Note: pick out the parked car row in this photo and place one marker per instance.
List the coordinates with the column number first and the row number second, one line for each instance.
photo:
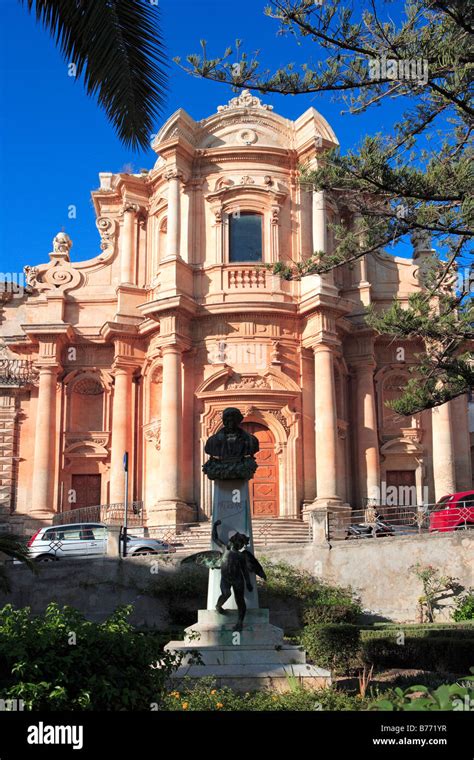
column 86, row 540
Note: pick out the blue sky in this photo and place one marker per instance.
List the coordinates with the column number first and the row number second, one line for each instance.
column 54, row 140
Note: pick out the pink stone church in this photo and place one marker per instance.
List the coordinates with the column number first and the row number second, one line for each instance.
column 140, row 347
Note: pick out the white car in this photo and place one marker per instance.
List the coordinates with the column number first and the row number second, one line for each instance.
column 86, row 540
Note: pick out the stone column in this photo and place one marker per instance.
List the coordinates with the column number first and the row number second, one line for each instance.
column 128, row 243
column 121, row 431
column 320, row 236
column 367, row 437
column 171, row 420
column 326, row 425
column 172, row 239
column 45, row 441
column 444, row 469
column 319, row 221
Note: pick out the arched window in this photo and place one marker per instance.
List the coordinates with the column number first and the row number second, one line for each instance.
column 245, row 237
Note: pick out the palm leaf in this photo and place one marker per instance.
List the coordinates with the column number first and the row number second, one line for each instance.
column 117, row 46
column 14, row 547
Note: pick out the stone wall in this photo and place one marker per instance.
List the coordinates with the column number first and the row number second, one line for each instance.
column 377, row 570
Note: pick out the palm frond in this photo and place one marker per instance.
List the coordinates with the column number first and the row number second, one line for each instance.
column 116, row 45
column 15, row 547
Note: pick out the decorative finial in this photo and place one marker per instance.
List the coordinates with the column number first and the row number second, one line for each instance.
column 245, row 100
column 62, row 244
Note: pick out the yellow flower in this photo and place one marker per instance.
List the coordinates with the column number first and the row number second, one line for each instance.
column 213, row 691
column 274, row 698
column 219, row 705
column 185, row 705
column 174, row 694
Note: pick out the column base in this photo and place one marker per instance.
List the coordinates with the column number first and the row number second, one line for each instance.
column 329, row 502
column 170, row 512
column 328, row 517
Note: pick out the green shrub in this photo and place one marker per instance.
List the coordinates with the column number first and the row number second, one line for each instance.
column 60, row 661
column 437, row 653
column 464, row 609
column 316, row 602
column 456, row 697
column 333, row 646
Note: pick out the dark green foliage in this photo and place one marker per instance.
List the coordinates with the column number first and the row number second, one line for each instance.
column 205, row 696
column 336, row 647
column 315, row 601
column 60, row 661
column 457, row 696
column 423, row 650
column 116, row 45
column 465, row 607
column 14, row 547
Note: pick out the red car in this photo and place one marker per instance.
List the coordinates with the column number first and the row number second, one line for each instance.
column 453, row 512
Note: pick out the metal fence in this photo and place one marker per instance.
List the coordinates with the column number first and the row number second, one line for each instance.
column 16, row 371
column 379, row 521
column 110, row 514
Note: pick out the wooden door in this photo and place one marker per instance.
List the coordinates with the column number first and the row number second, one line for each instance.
column 87, row 488
column 264, row 484
column 405, row 483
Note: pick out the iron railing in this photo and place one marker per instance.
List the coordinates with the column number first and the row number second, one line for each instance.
column 378, row 521
column 16, row 372
column 110, row 514
column 197, row 535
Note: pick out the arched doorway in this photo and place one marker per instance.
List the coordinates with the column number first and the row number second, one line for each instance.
column 264, row 484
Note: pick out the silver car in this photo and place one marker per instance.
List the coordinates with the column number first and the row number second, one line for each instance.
column 86, row 540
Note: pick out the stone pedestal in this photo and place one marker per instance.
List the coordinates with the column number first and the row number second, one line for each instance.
column 256, row 657
column 231, row 505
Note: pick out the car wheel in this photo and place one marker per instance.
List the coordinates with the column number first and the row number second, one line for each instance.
column 143, row 552
column 46, row 558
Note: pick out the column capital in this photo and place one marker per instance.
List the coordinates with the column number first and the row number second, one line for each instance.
column 318, row 348
column 128, row 207
column 123, row 365
column 174, row 173
column 363, row 365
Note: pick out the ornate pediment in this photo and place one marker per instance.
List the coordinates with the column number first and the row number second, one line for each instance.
column 226, row 379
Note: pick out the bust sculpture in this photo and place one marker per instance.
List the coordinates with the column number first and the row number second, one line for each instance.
column 231, row 450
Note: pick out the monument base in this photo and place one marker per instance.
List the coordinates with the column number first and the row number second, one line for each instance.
column 253, row 659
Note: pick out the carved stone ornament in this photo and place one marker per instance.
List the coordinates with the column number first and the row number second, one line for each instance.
column 246, row 180
column 88, row 386
column 244, row 100
column 62, row 244
column 153, row 433
column 247, row 136
column 239, row 382
column 107, row 230
column 59, row 275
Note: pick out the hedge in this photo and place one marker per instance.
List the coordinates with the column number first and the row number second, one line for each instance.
column 344, row 648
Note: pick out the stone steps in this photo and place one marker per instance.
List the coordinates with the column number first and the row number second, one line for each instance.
column 265, row 532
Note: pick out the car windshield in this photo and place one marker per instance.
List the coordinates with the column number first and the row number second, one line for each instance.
column 442, row 502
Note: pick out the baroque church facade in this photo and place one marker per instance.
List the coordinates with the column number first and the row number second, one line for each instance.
column 142, row 346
